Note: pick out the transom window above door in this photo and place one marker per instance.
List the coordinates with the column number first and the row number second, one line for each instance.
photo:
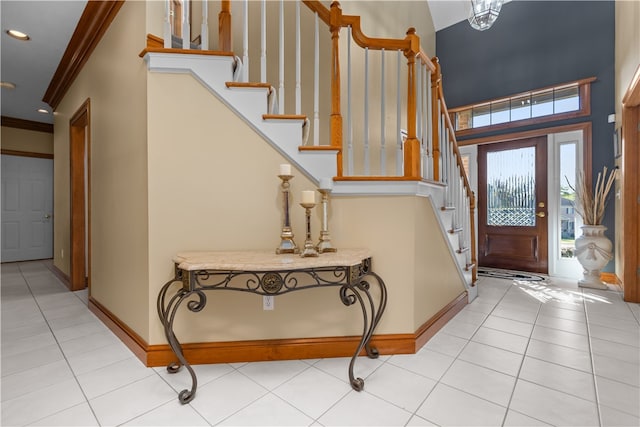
column 547, row 104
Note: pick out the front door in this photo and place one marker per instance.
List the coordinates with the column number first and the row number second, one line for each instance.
column 512, row 205
column 27, row 208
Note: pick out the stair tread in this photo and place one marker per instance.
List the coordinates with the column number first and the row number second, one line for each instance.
column 463, row 250
column 448, row 208
column 284, row 117
column 248, row 85
column 454, row 230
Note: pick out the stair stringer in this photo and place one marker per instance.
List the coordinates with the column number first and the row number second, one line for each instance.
column 432, row 191
column 250, row 104
column 435, row 192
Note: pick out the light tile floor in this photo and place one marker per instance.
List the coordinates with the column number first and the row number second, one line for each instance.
column 523, row 353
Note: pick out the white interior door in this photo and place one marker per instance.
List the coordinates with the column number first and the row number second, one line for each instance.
column 27, row 208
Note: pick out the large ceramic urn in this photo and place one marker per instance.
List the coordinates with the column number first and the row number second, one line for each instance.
column 593, row 251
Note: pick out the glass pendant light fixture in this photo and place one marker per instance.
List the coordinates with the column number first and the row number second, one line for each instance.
column 484, row 13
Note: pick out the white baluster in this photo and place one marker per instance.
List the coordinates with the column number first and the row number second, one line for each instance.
column 316, row 84
column 204, row 39
column 366, row 111
column 263, row 41
column 458, row 195
column 281, row 66
column 167, row 24
column 298, row 62
column 186, row 26
column 349, row 111
column 399, row 156
column 245, row 43
column 383, row 154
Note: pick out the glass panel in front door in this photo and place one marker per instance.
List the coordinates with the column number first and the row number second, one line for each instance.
column 511, row 187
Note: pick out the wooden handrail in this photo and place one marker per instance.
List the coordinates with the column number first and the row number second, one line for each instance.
column 426, row 60
column 452, row 138
column 356, row 29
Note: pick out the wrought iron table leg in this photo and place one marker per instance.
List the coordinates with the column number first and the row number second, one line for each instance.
column 376, row 314
column 349, row 295
column 186, row 395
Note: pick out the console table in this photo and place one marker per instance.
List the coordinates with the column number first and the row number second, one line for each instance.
column 265, row 273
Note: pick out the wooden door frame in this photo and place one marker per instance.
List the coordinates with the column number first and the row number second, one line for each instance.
column 631, row 190
column 584, row 127
column 80, row 221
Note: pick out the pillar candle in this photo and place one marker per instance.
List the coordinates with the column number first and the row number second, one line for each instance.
column 285, row 169
column 308, row 196
column 326, row 183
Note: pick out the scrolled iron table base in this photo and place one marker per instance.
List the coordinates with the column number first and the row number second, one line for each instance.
column 263, row 273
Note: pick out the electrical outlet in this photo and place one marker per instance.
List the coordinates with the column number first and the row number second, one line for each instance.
column 268, row 302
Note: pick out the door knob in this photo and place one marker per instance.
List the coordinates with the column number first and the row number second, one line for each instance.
column 47, row 216
column 541, row 214
column 541, row 205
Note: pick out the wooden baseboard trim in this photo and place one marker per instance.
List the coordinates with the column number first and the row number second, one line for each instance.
column 611, row 278
column 128, row 336
column 279, row 349
column 59, row 274
column 276, row 349
column 433, row 325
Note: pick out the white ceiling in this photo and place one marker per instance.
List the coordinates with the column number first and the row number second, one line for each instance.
column 31, row 64
column 448, row 12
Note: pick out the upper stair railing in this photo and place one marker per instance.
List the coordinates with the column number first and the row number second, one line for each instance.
column 392, row 123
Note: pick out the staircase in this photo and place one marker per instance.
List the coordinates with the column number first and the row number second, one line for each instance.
column 422, row 158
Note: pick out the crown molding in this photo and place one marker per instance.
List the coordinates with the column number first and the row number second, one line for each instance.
column 94, row 22
column 12, row 122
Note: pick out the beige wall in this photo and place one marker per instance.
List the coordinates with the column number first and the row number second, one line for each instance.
column 173, row 169
column 114, row 80
column 26, row 140
column 627, row 62
column 213, row 186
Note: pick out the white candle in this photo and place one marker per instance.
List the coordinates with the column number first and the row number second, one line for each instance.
column 326, row 183
column 308, row 196
column 285, row 169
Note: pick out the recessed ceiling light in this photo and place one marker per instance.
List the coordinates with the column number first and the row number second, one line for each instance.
column 7, row 85
column 18, row 35
column 43, row 111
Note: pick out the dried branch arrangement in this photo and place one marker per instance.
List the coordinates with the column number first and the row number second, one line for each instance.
column 590, row 204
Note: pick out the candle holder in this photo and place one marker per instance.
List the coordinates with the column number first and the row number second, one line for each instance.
column 309, row 250
column 287, row 245
column 324, row 244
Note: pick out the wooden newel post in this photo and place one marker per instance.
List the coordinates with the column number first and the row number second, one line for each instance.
column 224, row 26
column 412, row 144
column 435, row 118
column 336, row 117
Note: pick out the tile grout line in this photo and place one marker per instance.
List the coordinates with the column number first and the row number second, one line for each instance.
column 415, row 413
column 61, row 351
column 591, row 359
column 524, row 356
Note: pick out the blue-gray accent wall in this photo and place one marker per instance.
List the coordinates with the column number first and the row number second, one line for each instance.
column 535, row 44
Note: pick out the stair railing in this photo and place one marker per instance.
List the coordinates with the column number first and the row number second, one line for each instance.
column 450, row 170
column 372, row 143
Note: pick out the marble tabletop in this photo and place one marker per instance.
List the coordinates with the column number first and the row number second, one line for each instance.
column 266, row 260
